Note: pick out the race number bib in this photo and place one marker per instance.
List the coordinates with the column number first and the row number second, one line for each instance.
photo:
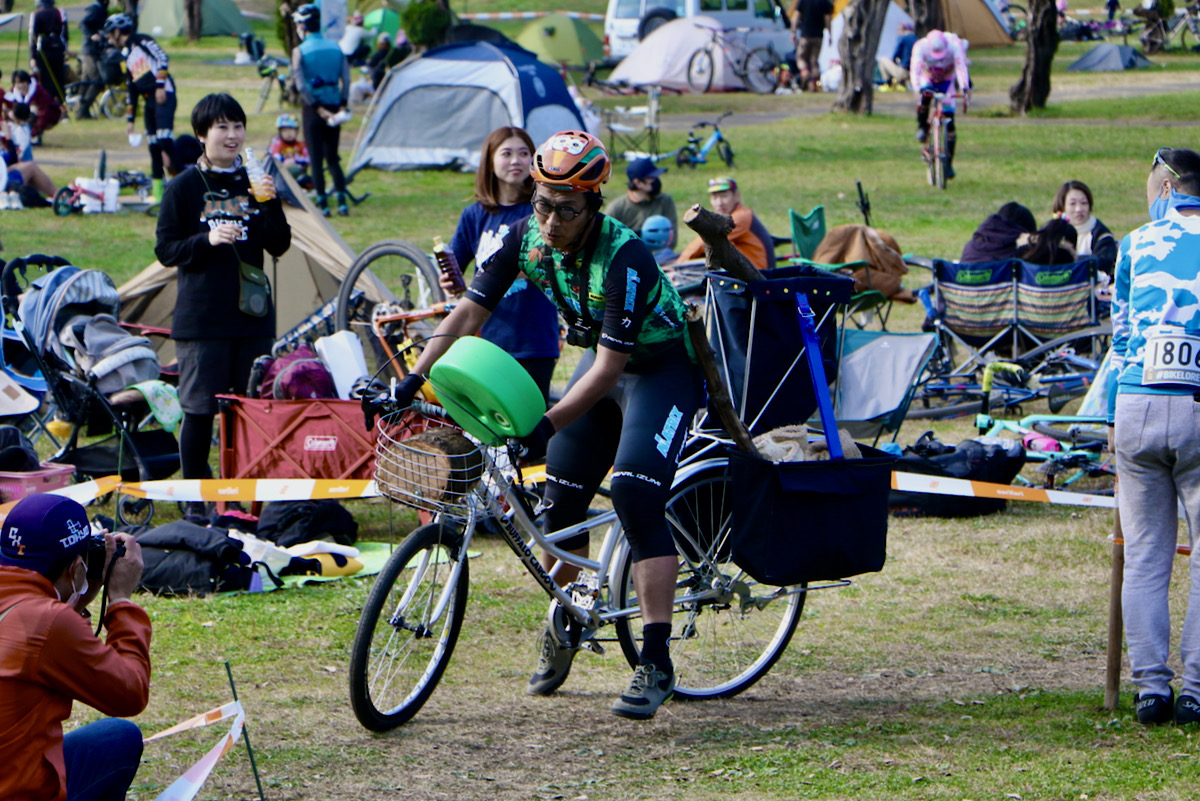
column 1172, row 357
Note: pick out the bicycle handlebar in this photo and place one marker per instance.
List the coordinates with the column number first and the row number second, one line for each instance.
column 716, row 123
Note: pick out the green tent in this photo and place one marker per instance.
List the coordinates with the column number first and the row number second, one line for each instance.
column 383, row 20
column 168, row 18
column 559, row 39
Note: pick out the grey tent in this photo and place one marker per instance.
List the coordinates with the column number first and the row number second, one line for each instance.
column 304, row 278
column 1111, row 58
column 168, row 18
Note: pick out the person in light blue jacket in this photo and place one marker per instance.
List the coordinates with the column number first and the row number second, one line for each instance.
column 1155, row 409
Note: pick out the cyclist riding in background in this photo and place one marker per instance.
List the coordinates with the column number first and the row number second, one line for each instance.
column 629, row 403
column 939, row 65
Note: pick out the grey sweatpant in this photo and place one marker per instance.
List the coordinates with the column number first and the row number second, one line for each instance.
column 1158, row 463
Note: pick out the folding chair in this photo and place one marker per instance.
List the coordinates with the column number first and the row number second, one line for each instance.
column 633, row 141
column 807, row 231
column 878, row 374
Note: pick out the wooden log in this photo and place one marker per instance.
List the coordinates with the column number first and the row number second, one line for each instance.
column 438, row 465
column 717, row 391
column 719, row 255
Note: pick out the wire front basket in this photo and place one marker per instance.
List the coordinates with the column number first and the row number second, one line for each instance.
column 426, row 463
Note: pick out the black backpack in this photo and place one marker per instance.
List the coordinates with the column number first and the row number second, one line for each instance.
column 993, row 462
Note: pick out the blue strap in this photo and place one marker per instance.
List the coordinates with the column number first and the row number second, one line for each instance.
column 812, row 349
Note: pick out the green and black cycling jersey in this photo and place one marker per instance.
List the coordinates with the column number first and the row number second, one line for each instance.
column 628, row 305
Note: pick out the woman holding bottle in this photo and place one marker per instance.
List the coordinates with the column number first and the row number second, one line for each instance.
column 214, row 227
column 525, row 323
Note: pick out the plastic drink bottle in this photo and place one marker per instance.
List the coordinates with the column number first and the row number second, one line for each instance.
column 261, row 187
column 449, row 266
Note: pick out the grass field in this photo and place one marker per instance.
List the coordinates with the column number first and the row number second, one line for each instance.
column 970, row 668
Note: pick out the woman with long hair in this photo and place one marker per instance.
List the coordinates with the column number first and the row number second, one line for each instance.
column 525, row 323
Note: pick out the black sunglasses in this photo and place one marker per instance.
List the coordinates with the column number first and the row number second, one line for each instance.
column 545, row 208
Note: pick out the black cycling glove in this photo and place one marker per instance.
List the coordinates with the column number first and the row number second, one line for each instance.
column 383, row 402
column 532, row 446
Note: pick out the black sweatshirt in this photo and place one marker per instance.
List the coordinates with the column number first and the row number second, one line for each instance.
column 207, row 303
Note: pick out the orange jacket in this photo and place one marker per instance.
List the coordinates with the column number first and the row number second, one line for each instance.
column 741, row 237
column 49, row 657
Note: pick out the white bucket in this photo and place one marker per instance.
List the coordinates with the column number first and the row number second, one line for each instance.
column 343, row 355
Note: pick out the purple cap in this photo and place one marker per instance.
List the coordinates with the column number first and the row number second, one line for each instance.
column 43, row 529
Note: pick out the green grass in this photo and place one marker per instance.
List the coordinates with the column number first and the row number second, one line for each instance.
column 971, row 667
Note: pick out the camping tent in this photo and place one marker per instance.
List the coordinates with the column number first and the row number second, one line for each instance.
column 559, row 39
column 1111, row 58
column 436, row 110
column 977, row 21
column 662, row 57
column 303, row 279
column 887, row 37
column 168, row 18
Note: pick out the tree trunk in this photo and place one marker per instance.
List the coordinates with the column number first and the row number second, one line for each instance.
column 1041, row 43
column 195, row 19
column 857, row 48
column 928, row 16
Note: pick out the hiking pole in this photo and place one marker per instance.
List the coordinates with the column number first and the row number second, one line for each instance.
column 246, row 736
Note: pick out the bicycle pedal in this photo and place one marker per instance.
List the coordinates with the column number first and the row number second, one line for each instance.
column 593, row 646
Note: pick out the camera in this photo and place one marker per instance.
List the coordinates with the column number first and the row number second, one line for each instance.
column 93, row 557
column 579, row 335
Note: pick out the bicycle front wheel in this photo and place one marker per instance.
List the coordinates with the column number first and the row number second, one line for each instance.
column 700, row 71
column 404, row 642
column 727, row 629
column 382, row 267
column 726, row 153
column 264, row 94
column 762, row 70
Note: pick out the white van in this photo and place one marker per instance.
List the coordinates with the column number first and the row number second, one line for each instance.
column 629, row 21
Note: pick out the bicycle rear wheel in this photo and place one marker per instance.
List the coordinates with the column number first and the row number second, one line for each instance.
column 264, row 94
column 400, row 650
column 762, row 70
column 724, row 643
column 391, row 263
column 939, row 155
column 700, row 71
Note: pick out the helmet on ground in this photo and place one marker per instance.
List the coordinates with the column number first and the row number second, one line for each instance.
column 118, row 22
column 937, row 50
column 286, row 121
column 308, row 16
column 656, row 231
column 573, row 161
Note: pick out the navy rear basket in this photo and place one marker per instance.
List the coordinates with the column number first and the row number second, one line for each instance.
column 755, row 332
column 796, row 522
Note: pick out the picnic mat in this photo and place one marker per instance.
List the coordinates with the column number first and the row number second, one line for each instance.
column 373, row 555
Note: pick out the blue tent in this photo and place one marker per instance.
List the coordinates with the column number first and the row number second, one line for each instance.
column 436, row 110
column 1110, row 57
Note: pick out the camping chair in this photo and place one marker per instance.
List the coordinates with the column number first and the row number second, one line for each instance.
column 1013, row 306
column 807, row 231
column 629, row 140
column 878, row 374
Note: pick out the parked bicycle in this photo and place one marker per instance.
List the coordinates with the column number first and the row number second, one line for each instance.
column 936, row 152
column 274, row 73
column 1160, row 32
column 695, row 152
column 758, row 67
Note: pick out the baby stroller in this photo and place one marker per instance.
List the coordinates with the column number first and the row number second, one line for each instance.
column 67, row 319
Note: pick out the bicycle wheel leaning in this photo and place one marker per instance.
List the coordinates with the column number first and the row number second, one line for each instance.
column 762, row 70
column 700, row 71
column 112, row 103
column 385, row 264
column 723, row 641
column 404, row 642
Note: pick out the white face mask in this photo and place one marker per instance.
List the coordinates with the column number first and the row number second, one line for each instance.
column 80, row 592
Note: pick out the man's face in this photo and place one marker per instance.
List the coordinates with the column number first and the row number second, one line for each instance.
column 551, row 207
column 725, row 202
column 114, row 39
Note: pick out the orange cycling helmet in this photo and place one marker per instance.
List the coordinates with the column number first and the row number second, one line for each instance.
column 574, row 161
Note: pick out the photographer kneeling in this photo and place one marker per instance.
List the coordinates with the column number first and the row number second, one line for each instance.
column 51, row 566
